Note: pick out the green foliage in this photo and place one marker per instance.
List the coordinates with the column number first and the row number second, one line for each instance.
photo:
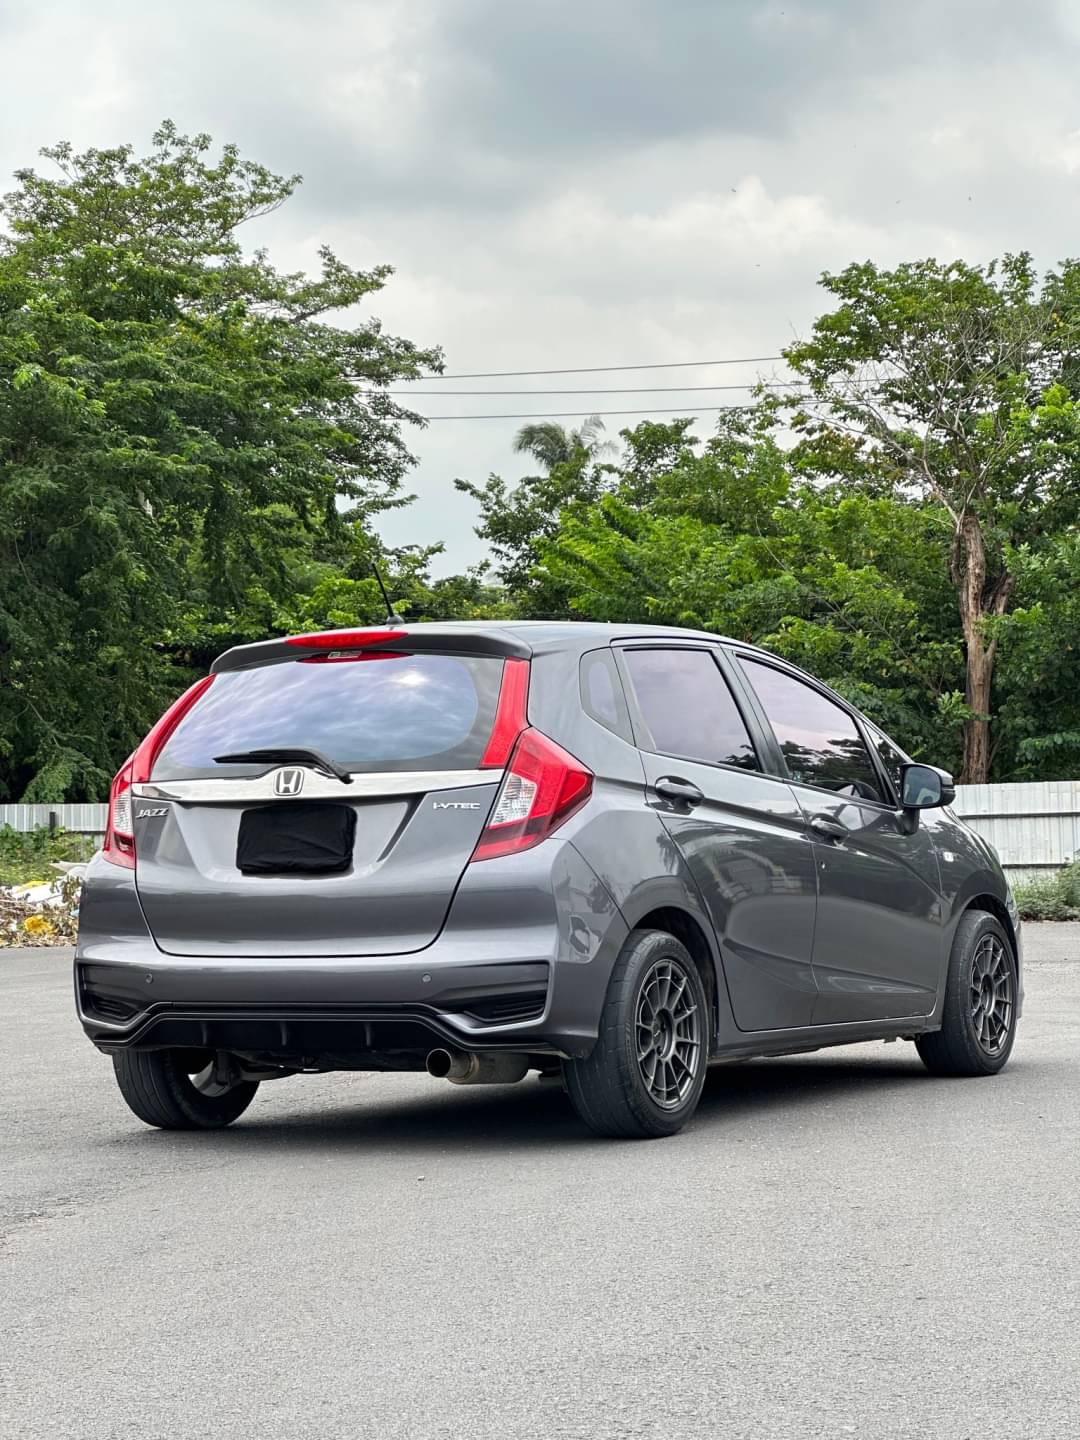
column 517, row 520
column 27, row 855
column 194, row 448
column 1053, row 897
column 847, row 583
column 183, row 430
column 916, row 546
column 953, row 384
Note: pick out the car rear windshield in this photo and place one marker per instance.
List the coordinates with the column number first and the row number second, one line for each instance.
column 374, row 712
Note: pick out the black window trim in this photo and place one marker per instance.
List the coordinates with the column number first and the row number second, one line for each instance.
column 870, row 725
column 626, row 735
column 763, row 658
column 640, row 727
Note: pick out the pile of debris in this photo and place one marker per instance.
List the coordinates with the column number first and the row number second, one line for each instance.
column 43, row 912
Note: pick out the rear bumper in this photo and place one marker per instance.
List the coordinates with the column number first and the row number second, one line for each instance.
column 293, row 1009
column 538, row 986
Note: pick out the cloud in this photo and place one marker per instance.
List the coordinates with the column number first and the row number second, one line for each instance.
column 599, row 182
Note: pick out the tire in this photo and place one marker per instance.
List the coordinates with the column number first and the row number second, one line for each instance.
column 159, row 1088
column 978, row 1022
column 611, row 1089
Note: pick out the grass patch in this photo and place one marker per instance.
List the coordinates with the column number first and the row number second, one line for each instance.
column 1052, row 897
column 27, row 855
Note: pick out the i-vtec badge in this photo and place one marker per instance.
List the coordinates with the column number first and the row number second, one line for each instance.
column 457, row 805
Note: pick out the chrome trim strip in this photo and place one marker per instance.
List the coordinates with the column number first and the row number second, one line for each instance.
column 365, row 786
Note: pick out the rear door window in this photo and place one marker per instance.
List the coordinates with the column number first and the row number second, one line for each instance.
column 687, row 707
column 820, row 741
column 372, row 712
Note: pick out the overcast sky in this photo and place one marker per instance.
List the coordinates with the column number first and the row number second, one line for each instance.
column 600, row 182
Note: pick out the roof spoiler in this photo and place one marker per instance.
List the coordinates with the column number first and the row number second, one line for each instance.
column 439, row 639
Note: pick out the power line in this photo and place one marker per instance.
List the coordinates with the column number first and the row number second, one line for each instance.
column 594, row 369
column 588, row 414
column 633, row 390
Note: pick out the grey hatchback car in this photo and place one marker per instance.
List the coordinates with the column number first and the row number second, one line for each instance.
column 614, row 854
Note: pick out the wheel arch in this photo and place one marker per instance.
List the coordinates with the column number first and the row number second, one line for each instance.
column 994, row 905
column 688, row 930
column 989, row 902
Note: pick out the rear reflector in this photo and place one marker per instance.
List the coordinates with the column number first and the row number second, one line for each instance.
column 346, row 639
column 119, row 846
column 511, row 716
column 542, row 788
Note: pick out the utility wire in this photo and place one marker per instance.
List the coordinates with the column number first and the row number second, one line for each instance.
column 633, row 390
column 594, row 369
column 587, row 414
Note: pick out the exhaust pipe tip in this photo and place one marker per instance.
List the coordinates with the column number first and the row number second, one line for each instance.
column 439, row 1063
column 465, row 1067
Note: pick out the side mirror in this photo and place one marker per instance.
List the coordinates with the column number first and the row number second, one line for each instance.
column 924, row 787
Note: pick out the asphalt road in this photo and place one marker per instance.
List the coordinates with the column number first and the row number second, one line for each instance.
column 839, row 1245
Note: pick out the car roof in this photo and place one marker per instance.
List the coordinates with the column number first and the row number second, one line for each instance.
column 569, row 634
column 521, row 637
column 508, row 637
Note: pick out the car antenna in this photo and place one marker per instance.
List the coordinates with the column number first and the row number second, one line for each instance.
column 392, row 616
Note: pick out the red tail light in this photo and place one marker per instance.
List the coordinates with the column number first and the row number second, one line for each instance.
column 542, row 788
column 511, row 716
column 119, row 844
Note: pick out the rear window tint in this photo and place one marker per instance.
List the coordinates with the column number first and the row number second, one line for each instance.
column 690, row 712
column 386, row 712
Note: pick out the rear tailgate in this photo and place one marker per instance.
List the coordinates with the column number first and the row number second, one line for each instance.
column 413, row 731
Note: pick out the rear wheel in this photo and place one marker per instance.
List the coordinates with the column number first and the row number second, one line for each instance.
column 978, row 1023
column 182, row 1089
column 645, row 1074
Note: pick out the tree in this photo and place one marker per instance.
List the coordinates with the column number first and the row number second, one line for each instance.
column 552, row 444
column 952, row 383
column 851, row 585
column 1038, row 659
column 516, row 519
column 182, row 427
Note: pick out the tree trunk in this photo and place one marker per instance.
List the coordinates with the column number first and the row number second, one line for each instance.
column 975, row 766
column 976, row 605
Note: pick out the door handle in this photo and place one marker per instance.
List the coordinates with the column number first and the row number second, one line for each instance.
column 679, row 791
column 826, row 829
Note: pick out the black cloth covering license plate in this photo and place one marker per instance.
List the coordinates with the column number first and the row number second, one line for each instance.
column 296, row 839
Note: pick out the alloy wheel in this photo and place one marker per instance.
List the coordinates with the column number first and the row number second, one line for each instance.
column 668, row 1033
column 991, row 995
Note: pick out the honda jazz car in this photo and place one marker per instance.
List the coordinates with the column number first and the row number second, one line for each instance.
column 612, row 853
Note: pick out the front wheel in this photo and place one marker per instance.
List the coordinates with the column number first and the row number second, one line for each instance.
column 978, row 1022
column 182, row 1089
column 645, row 1074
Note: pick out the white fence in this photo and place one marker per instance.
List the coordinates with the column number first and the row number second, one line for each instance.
column 1035, row 827
column 85, row 819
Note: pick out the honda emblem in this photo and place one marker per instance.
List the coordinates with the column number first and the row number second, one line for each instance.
column 288, row 782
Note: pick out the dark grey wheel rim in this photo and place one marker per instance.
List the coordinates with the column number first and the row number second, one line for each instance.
column 991, row 995
column 667, row 1027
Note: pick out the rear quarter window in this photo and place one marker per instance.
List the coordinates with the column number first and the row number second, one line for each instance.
column 379, row 712
column 602, row 695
